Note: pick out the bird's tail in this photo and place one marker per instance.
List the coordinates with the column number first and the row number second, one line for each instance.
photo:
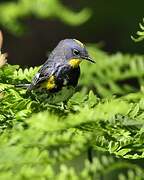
column 26, row 86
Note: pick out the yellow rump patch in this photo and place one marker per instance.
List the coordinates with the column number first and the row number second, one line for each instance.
column 80, row 43
column 49, row 84
column 75, row 62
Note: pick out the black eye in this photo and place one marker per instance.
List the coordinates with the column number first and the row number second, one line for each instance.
column 76, row 52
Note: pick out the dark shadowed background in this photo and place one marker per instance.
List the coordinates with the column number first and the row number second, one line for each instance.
column 111, row 24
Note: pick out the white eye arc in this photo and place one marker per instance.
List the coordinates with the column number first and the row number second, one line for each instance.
column 76, row 52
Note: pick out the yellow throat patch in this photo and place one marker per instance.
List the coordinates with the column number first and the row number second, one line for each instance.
column 74, row 62
column 49, row 84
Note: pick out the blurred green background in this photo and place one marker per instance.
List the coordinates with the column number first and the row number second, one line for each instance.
column 46, row 22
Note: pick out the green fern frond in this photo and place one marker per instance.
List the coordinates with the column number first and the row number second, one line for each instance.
column 113, row 74
column 96, row 136
column 26, row 74
column 140, row 34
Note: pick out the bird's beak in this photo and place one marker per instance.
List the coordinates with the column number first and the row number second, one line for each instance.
column 88, row 58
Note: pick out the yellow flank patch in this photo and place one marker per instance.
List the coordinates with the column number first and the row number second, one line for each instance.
column 80, row 43
column 49, row 84
column 75, row 62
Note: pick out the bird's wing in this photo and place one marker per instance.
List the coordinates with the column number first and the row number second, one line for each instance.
column 44, row 73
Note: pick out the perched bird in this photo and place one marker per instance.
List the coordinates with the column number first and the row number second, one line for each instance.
column 59, row 75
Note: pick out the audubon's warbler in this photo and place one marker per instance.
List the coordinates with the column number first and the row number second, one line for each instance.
column 59, row 75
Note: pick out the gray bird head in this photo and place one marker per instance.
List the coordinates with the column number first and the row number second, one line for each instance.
column 73, row 51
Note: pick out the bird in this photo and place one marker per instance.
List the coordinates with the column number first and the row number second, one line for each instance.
column 59, row 75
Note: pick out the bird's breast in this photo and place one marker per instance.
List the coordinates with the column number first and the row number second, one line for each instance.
column 63, row 77
column 68, row 77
